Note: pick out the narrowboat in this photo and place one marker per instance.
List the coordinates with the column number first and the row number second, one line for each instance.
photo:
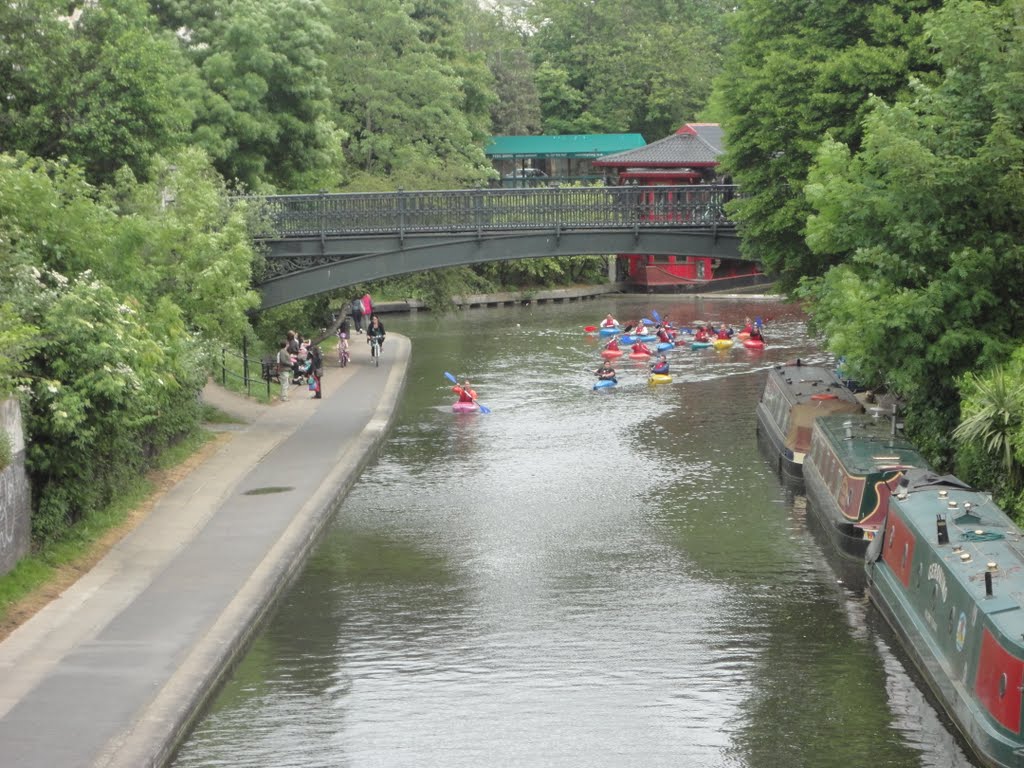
column 947, row 572
column 853, row 465
column 794, row 396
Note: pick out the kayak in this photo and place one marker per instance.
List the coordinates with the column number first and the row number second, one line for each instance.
column 700, row 344
column 608, row 331
column 461, row 407
column 743, row 335
column 753, row 343
column 627, row 339
column 665, row 345
column 609, row 354
column 660, row 378
column 604, row 384
column 638, row 356
column 647, row 337
column 722, row 343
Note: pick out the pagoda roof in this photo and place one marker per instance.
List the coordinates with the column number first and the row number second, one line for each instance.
column 694, row 145
column 576, row 145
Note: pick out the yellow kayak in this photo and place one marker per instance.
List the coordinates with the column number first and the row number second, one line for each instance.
column 722, row 343
column 660, row 378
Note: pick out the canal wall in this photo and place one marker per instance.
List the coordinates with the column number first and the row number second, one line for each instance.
column 15, row 495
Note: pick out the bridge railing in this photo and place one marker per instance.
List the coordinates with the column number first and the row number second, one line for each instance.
column 469, row 210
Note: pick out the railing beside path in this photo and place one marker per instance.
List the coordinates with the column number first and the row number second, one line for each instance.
column 490, row 210
column 230, row 362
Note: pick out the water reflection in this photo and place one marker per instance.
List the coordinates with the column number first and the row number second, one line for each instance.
column 578, row 579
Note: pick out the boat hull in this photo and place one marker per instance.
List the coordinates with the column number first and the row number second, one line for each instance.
column 953, row 597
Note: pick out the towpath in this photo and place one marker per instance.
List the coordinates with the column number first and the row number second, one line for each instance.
column 112, row 672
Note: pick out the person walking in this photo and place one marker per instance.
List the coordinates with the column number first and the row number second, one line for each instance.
column 357, row 315
column 284, row 370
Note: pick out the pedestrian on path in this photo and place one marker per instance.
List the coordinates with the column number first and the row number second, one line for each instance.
column 284, row 370
column 357, row 315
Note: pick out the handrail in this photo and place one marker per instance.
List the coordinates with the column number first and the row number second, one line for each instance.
column 404, row 213
column 246, row 376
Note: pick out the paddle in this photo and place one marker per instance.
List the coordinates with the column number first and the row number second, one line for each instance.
column 656, row 316
column 453, row 380
column 647, row 321
column 589, row 328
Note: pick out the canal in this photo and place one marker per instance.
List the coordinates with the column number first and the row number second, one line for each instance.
column 579, row 578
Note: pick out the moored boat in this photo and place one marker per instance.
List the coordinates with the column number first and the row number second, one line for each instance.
column 852, row 466
column 947, row 575
column 794, row 396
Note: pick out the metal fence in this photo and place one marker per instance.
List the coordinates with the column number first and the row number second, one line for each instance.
column 479, row 210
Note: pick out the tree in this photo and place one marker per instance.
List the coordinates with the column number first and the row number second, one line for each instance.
column 930, row 209
column 796, row 72
column 104, row 88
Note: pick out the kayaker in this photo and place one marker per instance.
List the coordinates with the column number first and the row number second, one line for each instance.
column 661, row 366
column 612, row 346
column 465, row 392
column 701, row 335
column 606, row 372
column 609, row 322
column 724, row 333
column 641, row 349
column 663, row 335
column 755, row 334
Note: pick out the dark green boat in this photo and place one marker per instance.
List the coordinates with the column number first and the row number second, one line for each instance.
column 948, row 575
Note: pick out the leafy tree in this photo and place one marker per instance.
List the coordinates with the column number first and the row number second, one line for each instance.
column 103, row 87
column 794, row 73
column 611, row 67
column 930, row 208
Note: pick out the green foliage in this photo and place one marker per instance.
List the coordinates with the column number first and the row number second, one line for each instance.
column 929, row 210
column 611, row 67
column 992, row 417
column 103, row 88
column 794, row 74
column 6, row 450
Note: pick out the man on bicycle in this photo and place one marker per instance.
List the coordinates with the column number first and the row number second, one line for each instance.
column 375, row 331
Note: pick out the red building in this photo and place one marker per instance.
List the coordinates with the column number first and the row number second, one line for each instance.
column 690, row 156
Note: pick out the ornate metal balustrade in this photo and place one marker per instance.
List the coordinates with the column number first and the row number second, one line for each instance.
column 491, row 210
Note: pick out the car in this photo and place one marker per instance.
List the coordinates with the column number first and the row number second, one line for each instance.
column 526, row 173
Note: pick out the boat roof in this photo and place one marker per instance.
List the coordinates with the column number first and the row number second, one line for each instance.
column 981, row 538
column 808, row 383
column 866, row 444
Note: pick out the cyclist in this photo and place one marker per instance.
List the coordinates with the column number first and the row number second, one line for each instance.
column 375, row 330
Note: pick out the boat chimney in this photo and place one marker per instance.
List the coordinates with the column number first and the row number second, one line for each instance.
column 988, row 583
column 941, row 530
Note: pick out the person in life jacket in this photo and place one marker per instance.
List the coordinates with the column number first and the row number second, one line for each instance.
column 465, row 392
column 663, row 335
column 661, row 366
column 724, row 333
column 606, row 372
column 609, row 322
column 701, row 335
column 612, row 346
column 641, row 349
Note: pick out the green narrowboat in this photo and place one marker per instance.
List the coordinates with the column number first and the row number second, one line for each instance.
column 948, row 575
column 853, row 464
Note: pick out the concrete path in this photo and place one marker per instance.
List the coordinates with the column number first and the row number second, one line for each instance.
column 112, row 672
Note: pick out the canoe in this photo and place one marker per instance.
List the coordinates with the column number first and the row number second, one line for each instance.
column 609, row 354
column 604, row 384
column 722, row 343
column 660, row 378
column 608, row 331
column 460, row 407
column 700, row 344
column 753, row 343
column 639, row 356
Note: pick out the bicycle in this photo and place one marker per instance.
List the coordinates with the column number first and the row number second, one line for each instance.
column 343, row 354
column 375, row 350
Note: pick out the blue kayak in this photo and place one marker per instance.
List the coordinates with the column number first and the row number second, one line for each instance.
column 604, row 384
column 666, row 345
column 608, row 331
column 627, row 339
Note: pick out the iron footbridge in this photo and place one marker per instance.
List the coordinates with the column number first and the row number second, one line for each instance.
column 320, row 242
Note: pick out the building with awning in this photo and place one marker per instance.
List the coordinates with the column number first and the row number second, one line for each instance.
column 689, row 156
column 528, row 160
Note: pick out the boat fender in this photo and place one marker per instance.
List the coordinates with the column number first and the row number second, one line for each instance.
column 825, row 396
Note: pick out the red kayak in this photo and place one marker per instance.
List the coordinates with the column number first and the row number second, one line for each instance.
column 610, row 354
column 753, row 343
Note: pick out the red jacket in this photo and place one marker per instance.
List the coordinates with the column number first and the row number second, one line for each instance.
column 465, row 395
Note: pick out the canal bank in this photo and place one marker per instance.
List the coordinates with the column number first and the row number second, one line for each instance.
column 113, row 671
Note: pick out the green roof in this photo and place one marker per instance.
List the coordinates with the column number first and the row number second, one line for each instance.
column 582, row 145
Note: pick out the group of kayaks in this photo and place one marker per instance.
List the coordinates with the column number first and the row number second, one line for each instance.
column 681, row 338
